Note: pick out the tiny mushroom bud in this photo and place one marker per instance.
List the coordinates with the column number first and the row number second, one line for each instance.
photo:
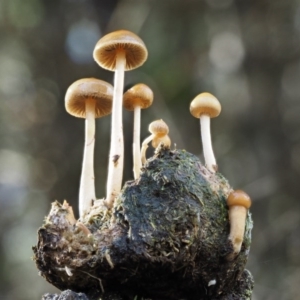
column 118, row 51
column 140, row 96
column 158, row 129
column 206, row 106
column 165, row 140
column 238, row 203
column 88, row 98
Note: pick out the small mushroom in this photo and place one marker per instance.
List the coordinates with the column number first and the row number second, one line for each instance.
column 88, row 98
column 206, row 106
column 165, row 140
column 158, row 129
column 118, row 51
column 140, row 96
column 238, row 203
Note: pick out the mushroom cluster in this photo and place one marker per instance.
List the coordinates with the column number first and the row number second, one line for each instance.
column 92, row 98
column 177, row 231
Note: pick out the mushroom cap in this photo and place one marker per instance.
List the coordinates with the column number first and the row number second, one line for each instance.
column 139, row 95
column 89, row 88
column 205, row 104
column 239, row 198
column 165, row 140
column 159, row 128
column 107, row 48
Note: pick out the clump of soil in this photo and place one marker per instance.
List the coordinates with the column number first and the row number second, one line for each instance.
column 166, row 238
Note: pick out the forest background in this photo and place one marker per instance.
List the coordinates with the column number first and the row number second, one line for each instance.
column 246, row 53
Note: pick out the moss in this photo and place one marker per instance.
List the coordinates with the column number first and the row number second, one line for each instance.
column 166, row 238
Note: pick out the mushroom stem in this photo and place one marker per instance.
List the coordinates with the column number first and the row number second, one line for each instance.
column 208, row 153
column 137, row 164
column 145, row 146
column 237, row 218
column 116, row 155
column 87, row 180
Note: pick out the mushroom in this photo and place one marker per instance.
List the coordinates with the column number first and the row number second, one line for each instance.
column 118, row 51
column 165, row 140
column 158, row 129
column 88, row 98
column 140, row 96
column 206, row 106
column 238, row 203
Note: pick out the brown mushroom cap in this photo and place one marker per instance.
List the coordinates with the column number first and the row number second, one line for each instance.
column 139, row 95
column 89, row 88
column 159, row 128
column 107, row 48
column 165, row 140
column 239, row 198
column 205, row 104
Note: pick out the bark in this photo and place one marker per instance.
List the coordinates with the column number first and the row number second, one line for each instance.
column 166, row 238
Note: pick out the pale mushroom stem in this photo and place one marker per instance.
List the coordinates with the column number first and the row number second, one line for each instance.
column 145, row 146
column 87, row 180
column 237, row 217
column 116, row 155
column 208, row 153
column 137, row 163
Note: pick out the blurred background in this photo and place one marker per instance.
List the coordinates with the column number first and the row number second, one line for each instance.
column 247, row 53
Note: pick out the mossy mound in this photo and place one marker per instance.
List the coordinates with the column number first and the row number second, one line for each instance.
column 166, row 238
